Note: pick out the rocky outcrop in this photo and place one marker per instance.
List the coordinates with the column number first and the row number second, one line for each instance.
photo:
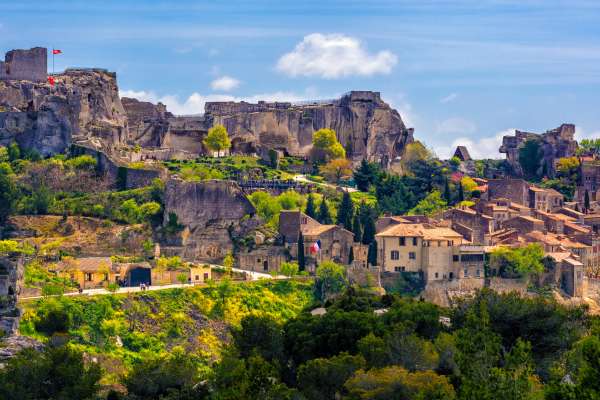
column 366, row 126
column 147, row 122
column 83, row 106
column 555, row 143
column 213, row 215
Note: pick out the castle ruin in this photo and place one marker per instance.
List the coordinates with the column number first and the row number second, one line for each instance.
column 25, row 65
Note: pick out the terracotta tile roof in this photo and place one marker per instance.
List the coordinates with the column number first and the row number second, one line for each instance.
column 418, row 230
column 316, row 230
column 89, row 264
column 559, row 255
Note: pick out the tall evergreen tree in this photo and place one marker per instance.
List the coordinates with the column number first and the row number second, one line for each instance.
column 324, row 216
column 365, row 175
column 461, row 192
column 372, row 253
column 447, row 194
column 368, row 236
column 301, row 259
column 345, row 212
column 310, row 206
column 586, row 201
column 356, row 228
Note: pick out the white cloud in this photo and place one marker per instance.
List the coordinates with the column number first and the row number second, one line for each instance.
column 456, row 125
column 485, row 147
column 580, row 133
column 225, row 83
column 334, row 56
column 450, row 98
column 194, row 104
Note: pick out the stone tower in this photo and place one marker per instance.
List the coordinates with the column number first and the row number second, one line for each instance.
column 25, row 65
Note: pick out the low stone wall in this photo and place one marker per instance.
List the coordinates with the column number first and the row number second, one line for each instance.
column 502, row 285
column 591, row 288
column 136, row 178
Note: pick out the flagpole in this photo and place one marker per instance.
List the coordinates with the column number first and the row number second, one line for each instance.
column 53, row 61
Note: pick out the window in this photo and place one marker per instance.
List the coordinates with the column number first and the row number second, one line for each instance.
column 88, row 277
column 414, row 241
column 471, row 258
column 450, row 243
column 206, row 276
column 402, row 241
column 258, row 260
column 455, row 258
column 399, row 269
column 466, row 272
column 197, row 278
column 412, row 255
column 478, row 273
column 395, row 255
column 436, row 274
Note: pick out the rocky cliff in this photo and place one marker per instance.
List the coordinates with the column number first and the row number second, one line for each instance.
column 83, row 106
column 366, row 126
column 554, row 144
column 212, row 215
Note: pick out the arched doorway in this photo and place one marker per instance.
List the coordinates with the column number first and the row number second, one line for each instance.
column 140, row 275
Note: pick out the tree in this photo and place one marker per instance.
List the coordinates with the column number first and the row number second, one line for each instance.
column 331, row 279
column 324, row 378
column 182, row 278
column 461, row 192
column 447, row 194
column 4, row 155
column 289, row 269
column 372, row 253
column 301, row 258
column 530, row 157
column 325, row 142
column 586, row 201
column 397, row 383
column 54, row 373
column 521, row 261
column 337, row 169
column 217, row 139
column 14, row 151
column 261, row 335
column 365, row 175
column 430, row 205
column 228, row 262
column 324, row 216
column 310, row 209
column 8, row 191
column 367, row 218
column 345, row 211
column 356, row 229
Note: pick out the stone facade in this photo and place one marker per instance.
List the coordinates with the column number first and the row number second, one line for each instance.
column 263, row 259
column 25, row 65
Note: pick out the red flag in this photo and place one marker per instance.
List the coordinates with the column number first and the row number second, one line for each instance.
column 56, row 51
column 51, row 80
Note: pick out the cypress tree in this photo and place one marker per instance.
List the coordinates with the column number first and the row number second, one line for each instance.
column 447, row 195
column 461, row 193
column 372, row 253
column 363, row 176
column 324, row 216
column 369, row 228
column 356, row 229
column 301, row 259
column 345, row 212
column 310, row 207
column 586, row 201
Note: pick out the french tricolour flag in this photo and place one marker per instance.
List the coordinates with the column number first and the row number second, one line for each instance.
column 316, row 246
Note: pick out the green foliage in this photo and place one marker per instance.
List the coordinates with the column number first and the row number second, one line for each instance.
column 366, row 175
column 217, row 139
column 8, row 191
column 325, row 141
column 324, row 378
column 430, row 205
column 289, row 269
column 55, row 373
column 82, row 162
column 519, row 262
column 260, row 335
column 345, row 211
column 324, row 215
column 268, row 206
column 197, row 173
column 530, row 158
column 310, row 209
column 331, row 279
column 12, row 247
column 591, row 146
column 169, row 263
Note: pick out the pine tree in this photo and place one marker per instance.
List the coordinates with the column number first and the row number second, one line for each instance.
column 356, row 229
column 351, row 255
column 345, row 212
column 372, row 253
column 365, row 175
column 586, row 201
column 324, row 216
column 447, row 194
column 310, row 207
column 301, row 259
column 461, row 193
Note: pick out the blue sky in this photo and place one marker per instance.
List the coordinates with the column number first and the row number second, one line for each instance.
column 459, row 72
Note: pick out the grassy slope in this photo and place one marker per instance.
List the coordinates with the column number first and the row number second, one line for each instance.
column 119, row 329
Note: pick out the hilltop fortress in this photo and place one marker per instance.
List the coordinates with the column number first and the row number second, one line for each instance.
column 83, row 107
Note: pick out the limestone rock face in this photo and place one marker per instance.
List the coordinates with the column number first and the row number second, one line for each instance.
column 147, row 122
column 213, row 213
column 83, row 106
column 555, row 143
column 366, row 126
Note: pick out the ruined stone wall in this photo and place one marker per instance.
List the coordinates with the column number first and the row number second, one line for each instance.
column 27, row 65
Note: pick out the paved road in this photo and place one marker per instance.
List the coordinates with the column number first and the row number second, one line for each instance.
column 303, row 178
column 132, row 289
